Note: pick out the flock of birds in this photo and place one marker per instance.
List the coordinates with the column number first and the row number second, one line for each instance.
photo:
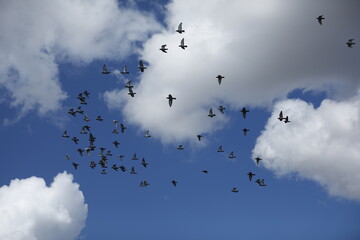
column 104, row 155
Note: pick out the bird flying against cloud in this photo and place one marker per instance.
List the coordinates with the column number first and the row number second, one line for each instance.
column 221, row 109
column 141, row 66
column 105, row 71
column 124, row 70
column 250, row 174
column 320, row 18
column 180, row 30
column 244, row 111
column 219, row 78
column 182, row 44
column 163, row 48
column 211, row 114
column 350, row 43
column 170, row 98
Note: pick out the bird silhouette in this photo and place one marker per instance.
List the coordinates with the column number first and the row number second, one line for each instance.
column 350, row 43
column 205, row 171
column 221, row 109
column 174, row 182
column 92, row 164
column 141, row 66
column 134, row 157
column 163, row 48
column 116, row 143
column 78, row 110
column 286, row 119
column 124, row 70
column 103, row 171
column 180, row 30
column 121, row 157
column 67, row 156
column 86, row 118
column 180, row 147
column 144, row 163
column 244, row 111
column 133, row 171
column 87, row 94
column 261, row 182
column 245, row 130
column 199, row 137
column 75, row 165
column 99, row 118
column 250, row 174
column 72, row 112
column 105, row 71
column 258, row 160
column 182, row 44
column 234, row 190
column 131, row 92
column 281, row 116
column 219, row 78
column 75, row 139
column 122, row 128
column 320, row 18
column 231, row 155
column 170, row 98
column 65, row 135
column 147, row 135
column 220, row 149
column 80, row 151
column 211, row 114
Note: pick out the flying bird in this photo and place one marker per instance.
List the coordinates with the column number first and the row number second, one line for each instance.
column 258, row 160
column 180, row 147
column 99, row 118
column 67, row 156
column 174, row 182
column 261, row 182
column 103, row 171
column 141, row 66
column 75, row 165
column 133, row 171
column 78, row 110
column 144, row 163
column 180, row 30
column 122, row 168
column 115, row 167
column 286, row 119
column 235, row 190
column 320, row 18
column 205, row 171
column 144, row 184
column 131, row 92
column 86, row 118
column 87, row 150
column 121, row 157
column 124, row 71
column 199, row 137
column 220, row 149
column 163, row 48
column 72, row 112
column 134, row 157
column 92, row 164
column 211, row 114
column 182, row 44
column 170, row 98
column 231, row 155
column 108, row 153
column 105, row 71
column 250, row 174
column 147, row 135
column 219, row 78
column 115, row 122
column 350, row 43
column 116, row 143
column 128, row 84
column 122, row 128
column 80, row 151
column 75, row 139
column 281, row 116
column 65, row 135
column 245, row 130
column 86, row 93
column 244, row 111
column 115, row 131
column 221, row 109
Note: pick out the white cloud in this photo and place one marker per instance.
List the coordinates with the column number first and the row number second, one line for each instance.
column 37, row 35
column 29, row 210
column 320, row 144
column 264, row 50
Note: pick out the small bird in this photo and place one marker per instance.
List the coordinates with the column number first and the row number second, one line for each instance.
column 141, row 66
column 281, row 116
column 133, row 171
column 122, row 128
column 131, row 92
column 245, row 130
column 170, row 98
column 144, row 163
column 65, row 135
column 211, row 114
column 81, row 97
column 102, row 149
column 231, row 155
column 86, row 127
column 122, row 168
column 235, row 190
column 180, row 147
column 108, row 153
column 180, row 30
column 124, row 71
column 219, row 78
column 87, row 150
column 115, row 122
column 78, row 110
column 205, row 171
column 250, row 174
column 258, row 160
column 144, row 184
column 92, row 164
column 350, row 43
column 244, row 111
column 72, row 112
column 320, row 18
column 86, row 93
column 115, row 167
column 121, row 157
column 92, row 138
column 75, row 139
column 260, row 182
column 221, row 109
column 147, row 135
column 116, row 143
column 174, row 182
column 75, row 165
column 220, row 149
column 115, row 131
column 80, row 151
column 128, row 84
column 286, row 119
column 86, row 118
column 103, row 171
column 163, row 48
column 99, row 118
column 105, row 71
column 67, row 156
column 199, row 137
column 134, row 157
column 182, row 44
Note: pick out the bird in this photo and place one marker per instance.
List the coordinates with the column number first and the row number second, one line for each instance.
column 250, row 174
column 115, row 167
column 133, row 171
column 99, row 118
column 231, row 155
column 122, row 128
column 170, row 98
column 199, row 137
column 144, row 163
column 144, row 184
column 108, row 153
column 258, row 160
column 180, row 30
column 75, row 139
column 83, row 131
column 219, row 78
column 235, row 190
column 124, row 71
column 281, row 116
column 115, row 131
column 86, row 127
column 221, row 109
column 72, row 112
column 261, row 182
column 122, row 168
column 92, row 164
column 220, row 149
column 182, row 44
column 67, row 156
column 86, row 93
column 211, row 114
column 134, row 157
column 80, row 151
column 105, row 71
column 92, row 138
column 78, row 110
column 350, row 43
column 121, row 157
column 116, row 143
column 75, row 165
column 103, row 171
column 244, row 111
column 245, row 130
column 128, row 84
column 86, row 118
column 131, row 92
column 147, row 135
column 320, row 18
column 141, row 66
column 205, row 171
column 174, row 182
column 286, row 119
column 163, row 48
column 87, row 150
column 115, row 122
column 180, row 147
column 65, row 135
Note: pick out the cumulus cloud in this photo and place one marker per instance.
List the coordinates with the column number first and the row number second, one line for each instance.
column 30, row 210
column 320, row 144
column 37, row 35
column 265, row 49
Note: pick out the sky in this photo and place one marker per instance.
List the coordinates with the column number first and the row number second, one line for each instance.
column 274, row 56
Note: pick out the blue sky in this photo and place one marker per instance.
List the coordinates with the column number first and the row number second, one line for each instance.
column 274, row 56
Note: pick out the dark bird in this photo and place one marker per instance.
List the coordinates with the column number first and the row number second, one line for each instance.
column 86, row 118
column 99, row 118
column 103, row 171
column 81, row 97
column 133, row 171
column 250, row 174
column 86, row 93
column 115, row 122
column 83, row 102
column 235, row 190
column 75, row 139
column 83, row 131
column 350, row 43
column 92, row 164
column 231, row 155
column 199, row 137
column 147, row 135
column 170, row 98
column 182, row 44
column 116, row 143
column 281, row 116
column 131, row 92
column 219, row 78
column 180, row 30
column 205, row 171
column 92, row 138
column 134, row 157
column 115, row 131
column 144, row 184
column 80, row 151
column 163, row 48
column 220, row 149
column 180, row 147
column 102, row 149
column 65, row 135
column 244, row 111
column 122, row 128
column 121, row 157
column 144, row 163
column 72, row 112
column 86, row 127
column 124, row 71
column 115, row 167
column 258, row 160
column 141, row 66
column 286, row 119
column 245, row 130
column 67, row 157
column 320, row 18
column 221, row 109
column 260, row 182
column 78, row 110
column 108, row 153
column 211, row 114
column 174, row 182
column 105, row 71
column 128, row 85
column 75, row 165
column 122, row 168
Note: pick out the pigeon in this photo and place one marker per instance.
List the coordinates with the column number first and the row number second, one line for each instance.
column 211, row 114
column 115, row 131
column 180, row 147
column 141, row 66
column 350, row 43
column 205, row 171
column 180, row 30
column 108, row 153
column 182, row 44
column 116, row 143
column 86, row 93
column 67, row 156
column 134, row 157
column 128, row 85
column 199, row 137
column 320, row 18
column 121, row 157
column 65, row 135
column 286, row 119
column 144, row 163
column 170, row 98
column 245, row 130
column 144, row 184
column 92, row 164
column 122, row 168
column 244, row 111
column 163, row 48
column 122, row 127
column 219, row 78
column 231, row 155
column 258, row 160
column 260, row 182
column 72, row 112
column 99, row 118
column 86, row 118
column 91, row 138
column 221, row 109
column 147, row 135
column 83, row 102
column 281, row 116
column 75, row 165
column 115, row 122
column 235, row 190
column 81, row 97
column 75, row 139
column 103, row 171
column 124, row 71
column 102, row 149
column 78, row 110
column 115, row 167
column 87, row 150
column 131, row 92
column 250, row 174
column 220, row 149
column 80, row 151
column 83, row 131
column 133, row 171
column 174, row 182
column 105, row 71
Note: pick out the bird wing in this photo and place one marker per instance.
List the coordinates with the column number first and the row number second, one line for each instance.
column 180, row 27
